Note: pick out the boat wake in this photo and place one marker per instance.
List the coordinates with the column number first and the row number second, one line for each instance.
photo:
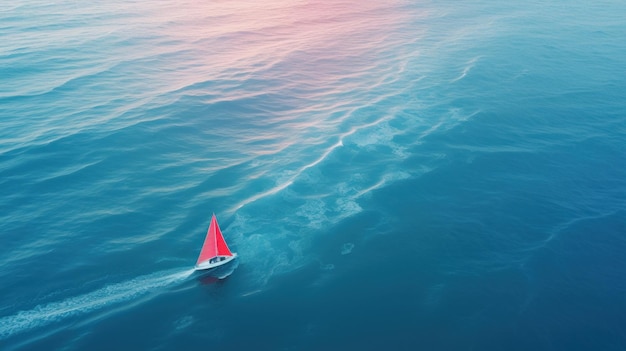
column 53, row 312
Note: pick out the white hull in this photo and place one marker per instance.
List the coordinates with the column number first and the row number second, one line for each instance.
column 209, row 265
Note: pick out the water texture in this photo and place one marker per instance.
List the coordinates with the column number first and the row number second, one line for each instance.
column 398, row 174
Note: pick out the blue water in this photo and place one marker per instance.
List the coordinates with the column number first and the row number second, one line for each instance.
column 407, row 175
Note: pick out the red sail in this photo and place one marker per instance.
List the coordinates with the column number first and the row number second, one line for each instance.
column 214, row 244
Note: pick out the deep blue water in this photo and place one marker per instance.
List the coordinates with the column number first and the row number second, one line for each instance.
column 393, row 175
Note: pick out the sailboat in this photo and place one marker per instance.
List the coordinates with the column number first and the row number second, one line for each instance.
column 214, row 251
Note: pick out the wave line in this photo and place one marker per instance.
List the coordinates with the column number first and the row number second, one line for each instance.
column 301, row 170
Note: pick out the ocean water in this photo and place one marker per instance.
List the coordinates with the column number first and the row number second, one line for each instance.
column 408, row 175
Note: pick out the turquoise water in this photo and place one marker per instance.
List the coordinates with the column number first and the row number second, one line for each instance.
column 393, row 175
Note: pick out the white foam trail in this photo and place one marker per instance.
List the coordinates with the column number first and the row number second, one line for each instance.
column 56, row 311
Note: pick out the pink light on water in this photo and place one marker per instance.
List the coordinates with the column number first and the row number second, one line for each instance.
column 315, row 37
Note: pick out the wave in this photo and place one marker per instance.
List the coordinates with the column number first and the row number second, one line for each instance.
column 54, row 312
column 466, row 69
